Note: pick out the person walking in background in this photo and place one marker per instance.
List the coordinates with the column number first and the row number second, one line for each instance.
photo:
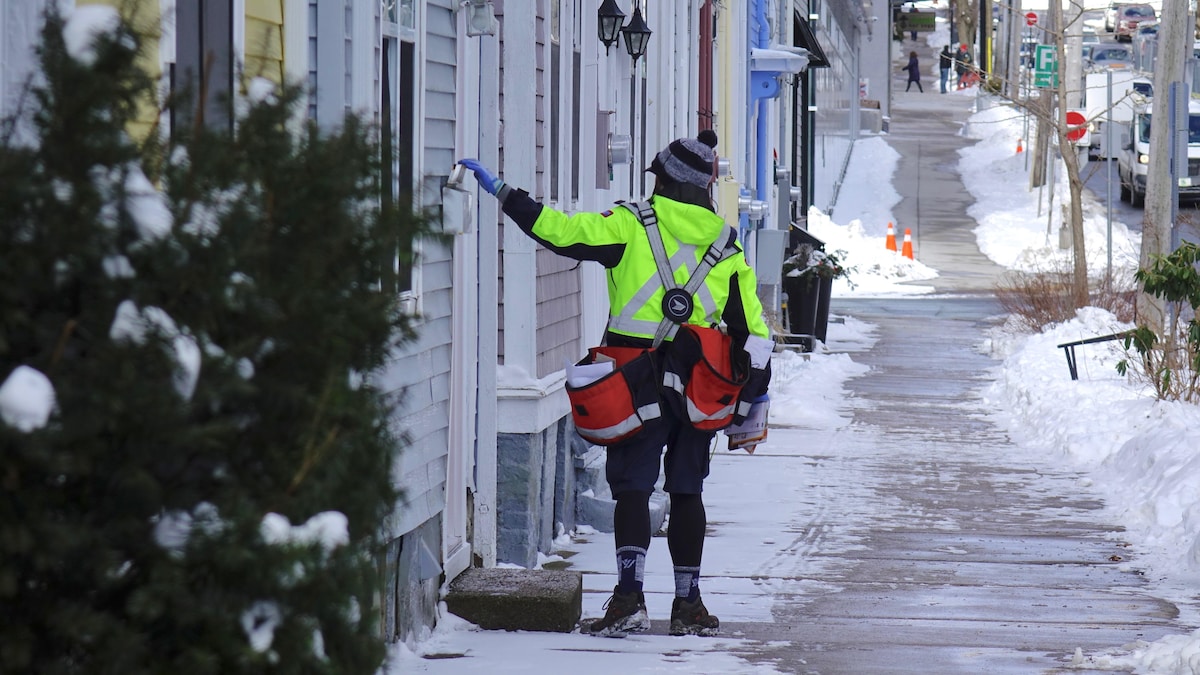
column 914, row 72
column 945, row 62
column 913, row 10
column 962, row 65
column 633, row 241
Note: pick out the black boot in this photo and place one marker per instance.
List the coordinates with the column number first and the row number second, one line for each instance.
column 692, row 618
column 626, row 614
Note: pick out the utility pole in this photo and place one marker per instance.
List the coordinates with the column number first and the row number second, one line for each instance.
column 982, row 52
column 1074, row 45
column 954, row 23
column 1174, row 39
column 1045, row 104
column 1016, row 33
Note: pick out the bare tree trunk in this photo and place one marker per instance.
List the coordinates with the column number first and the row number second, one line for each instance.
column 1173, row 39
column 968, row 24
column 1043, row 112
column 1079, row 273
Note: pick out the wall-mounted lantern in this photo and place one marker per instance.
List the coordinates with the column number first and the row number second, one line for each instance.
column 637, row 35
column 608, row 25
column 481, row 18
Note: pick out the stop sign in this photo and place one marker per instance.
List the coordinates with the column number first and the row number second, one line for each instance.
column 1030, row 19
column 1076, row 125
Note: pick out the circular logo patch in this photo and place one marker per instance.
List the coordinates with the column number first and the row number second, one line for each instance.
column 677, row 305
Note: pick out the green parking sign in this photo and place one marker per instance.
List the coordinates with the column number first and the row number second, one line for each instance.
column 1045, row 66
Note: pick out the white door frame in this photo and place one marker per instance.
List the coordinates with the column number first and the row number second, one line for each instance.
column 456, row 548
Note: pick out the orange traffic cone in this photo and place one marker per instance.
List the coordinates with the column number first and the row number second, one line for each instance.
column 906, row 249
column 891, row 237
column 1020, row 148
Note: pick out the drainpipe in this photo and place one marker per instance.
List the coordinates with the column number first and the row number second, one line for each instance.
column 768, row 65
column 762, row 40
column 728, row 110
column 705, row 112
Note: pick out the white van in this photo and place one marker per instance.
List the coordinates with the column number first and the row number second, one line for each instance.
column 1133, row 160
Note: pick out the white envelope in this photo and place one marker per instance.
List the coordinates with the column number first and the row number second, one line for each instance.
column 581, row 376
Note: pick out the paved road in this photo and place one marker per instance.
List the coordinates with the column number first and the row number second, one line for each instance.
column 1096, row 178
column 1096, row 175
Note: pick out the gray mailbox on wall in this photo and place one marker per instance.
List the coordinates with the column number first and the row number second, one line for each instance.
column 769, row 249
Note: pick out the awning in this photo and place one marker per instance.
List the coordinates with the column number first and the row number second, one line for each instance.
column 805, row 38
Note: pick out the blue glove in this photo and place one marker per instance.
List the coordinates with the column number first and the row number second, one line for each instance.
column 489, row 182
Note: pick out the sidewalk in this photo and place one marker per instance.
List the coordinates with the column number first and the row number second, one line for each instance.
column 926, row 131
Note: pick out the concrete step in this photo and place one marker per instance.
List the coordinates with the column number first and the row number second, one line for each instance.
column 518, row 599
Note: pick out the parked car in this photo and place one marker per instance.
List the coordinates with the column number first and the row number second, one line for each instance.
column 1110, row 16
column 1108, row 55
column 1146, row 30
column 1128, row 18
column 1145, row 44
column 1090, row 40
column 1093, row 20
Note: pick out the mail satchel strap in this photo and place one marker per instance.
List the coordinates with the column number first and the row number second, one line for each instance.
column 677, row 302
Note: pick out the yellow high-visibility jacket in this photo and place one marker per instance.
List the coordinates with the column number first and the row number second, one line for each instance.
column 617, row 240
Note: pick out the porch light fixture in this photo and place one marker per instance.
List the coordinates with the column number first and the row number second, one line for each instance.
column 608, row 25
column 637, row 34
column 481, row 17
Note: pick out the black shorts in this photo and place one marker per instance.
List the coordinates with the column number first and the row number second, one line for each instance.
column 633, row 465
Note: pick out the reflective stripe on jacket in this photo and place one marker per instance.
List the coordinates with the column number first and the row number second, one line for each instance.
column 616, row 240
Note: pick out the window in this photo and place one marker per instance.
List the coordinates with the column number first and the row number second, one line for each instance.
column 204, row 59
column 555, row 91
column 397, row 111
column 576, row 103
column 407, row 16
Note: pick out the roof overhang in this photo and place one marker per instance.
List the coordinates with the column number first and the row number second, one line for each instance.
column 807, row 39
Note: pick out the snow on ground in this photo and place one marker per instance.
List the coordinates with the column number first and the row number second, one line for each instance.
column 1018, row 227
column 864, row 209
column 1140, row 454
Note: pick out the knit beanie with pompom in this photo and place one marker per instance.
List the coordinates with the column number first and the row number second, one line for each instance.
column 687, row 160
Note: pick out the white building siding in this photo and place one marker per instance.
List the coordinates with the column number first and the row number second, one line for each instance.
column 440, row 76
column 20, row 26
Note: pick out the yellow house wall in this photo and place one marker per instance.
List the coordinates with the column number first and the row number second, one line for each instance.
column 264, row 39
column 146, row 16
column 263, row 49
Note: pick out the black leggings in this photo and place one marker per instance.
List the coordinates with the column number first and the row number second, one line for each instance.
column 685, row 536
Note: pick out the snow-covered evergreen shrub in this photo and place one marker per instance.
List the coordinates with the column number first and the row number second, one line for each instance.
column 193, row 464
